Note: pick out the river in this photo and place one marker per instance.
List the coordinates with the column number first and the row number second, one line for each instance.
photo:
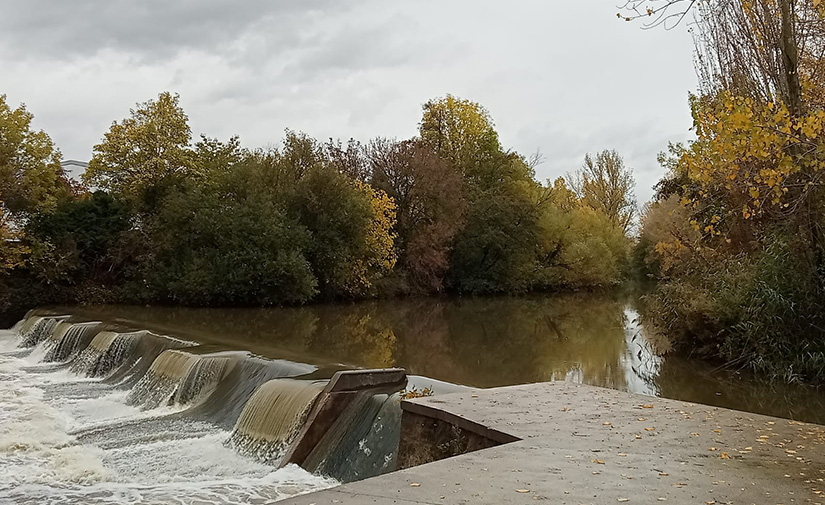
column 70, row 438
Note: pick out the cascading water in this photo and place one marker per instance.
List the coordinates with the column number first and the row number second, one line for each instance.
column 38, row 330
column 146, row 415
column 106, row 351
column 224, row 405
column 68, row 339
column 180, row 377
column 272, row 416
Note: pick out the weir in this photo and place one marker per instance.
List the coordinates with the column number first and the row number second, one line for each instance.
column 346, row 427
column 271, row 418
column 178, row 377
column 70, row 338
column 105, row 352
column 37, row 329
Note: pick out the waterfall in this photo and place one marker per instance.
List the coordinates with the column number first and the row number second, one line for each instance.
column 180, row 377
column 259, row 399
column 271, row 418
column 139, row 356
column 37, row 329
column 106, row 351
column 68, row 339
column 224, row 405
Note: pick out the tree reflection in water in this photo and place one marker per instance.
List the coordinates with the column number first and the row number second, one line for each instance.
column 591, row 338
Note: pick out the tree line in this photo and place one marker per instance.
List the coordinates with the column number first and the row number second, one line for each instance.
column 163, row 218
column 734, row 237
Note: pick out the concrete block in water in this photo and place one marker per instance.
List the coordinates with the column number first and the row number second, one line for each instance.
column 345, row 392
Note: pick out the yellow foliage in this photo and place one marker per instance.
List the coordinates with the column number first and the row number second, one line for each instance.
column 757, row 154
column 380, row 254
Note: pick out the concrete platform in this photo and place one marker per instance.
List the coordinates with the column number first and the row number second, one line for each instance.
column 586, row 445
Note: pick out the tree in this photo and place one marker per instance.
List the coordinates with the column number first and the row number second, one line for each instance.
column 579, row 245
column 150, row 146
column 73, row 244
column 497, row 249
column 605, row 184
column 31, row 179
column 351, row 226
column 210, row 245
column 459, row 131
column 429, row 196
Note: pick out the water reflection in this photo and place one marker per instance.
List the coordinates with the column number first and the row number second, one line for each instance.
column 484, row 342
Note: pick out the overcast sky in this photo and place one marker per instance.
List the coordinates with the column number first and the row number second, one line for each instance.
column 565, row 78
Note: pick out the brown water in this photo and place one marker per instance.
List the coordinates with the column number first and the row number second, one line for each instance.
column 481, row 342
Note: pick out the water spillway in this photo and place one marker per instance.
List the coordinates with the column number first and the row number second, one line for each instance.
column 272, row 416
column 124, row 406
column 105, row 352
column 180, row 377
column 37, row 329
column 68, row 339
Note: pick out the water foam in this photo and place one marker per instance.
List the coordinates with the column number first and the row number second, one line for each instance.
column 66, row 439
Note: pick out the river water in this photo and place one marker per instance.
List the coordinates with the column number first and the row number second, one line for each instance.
column 482, row 342
column 66, row 438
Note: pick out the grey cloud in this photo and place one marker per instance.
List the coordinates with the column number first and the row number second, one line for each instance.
column 150, row 29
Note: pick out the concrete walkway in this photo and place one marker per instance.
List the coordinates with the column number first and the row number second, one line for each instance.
column 586, row 445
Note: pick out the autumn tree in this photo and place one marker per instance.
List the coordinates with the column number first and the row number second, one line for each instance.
column 351, row 227
column 429, row 196
column 743, row 257
column 150, row 146
column 461, row 132
column 604, row 183
column 31, row 179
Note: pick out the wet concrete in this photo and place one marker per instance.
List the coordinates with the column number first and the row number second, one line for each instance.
column 587, row 445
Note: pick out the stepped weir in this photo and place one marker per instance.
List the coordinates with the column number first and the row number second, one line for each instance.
column 279, row 412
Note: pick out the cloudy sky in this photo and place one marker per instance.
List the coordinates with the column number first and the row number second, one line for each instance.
column 565, row 78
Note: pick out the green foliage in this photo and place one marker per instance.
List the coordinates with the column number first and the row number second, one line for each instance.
column 151, row 145
column 497, row 249
column 209, row 248
column 337, row 214
column 73, row 243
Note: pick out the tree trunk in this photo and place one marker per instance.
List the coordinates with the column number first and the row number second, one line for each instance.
column 790, row 58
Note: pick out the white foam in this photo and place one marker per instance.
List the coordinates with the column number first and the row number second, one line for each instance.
column 41, row 461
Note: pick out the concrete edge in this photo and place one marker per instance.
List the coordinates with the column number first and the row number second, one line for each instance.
column 461, row 422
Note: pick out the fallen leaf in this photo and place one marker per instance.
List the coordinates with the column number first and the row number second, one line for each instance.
column 663, row 474
column 712, row 448
column 623, row 499
column 725, row 455
column 473, row 396
column 522, row 490
column 717, row 431
column 415, row 484
column 646, row 406
column 638, row 437
column 642, row 419
column 566, row 408
column 606, row 424
column 650, row 429
column 622, row 454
